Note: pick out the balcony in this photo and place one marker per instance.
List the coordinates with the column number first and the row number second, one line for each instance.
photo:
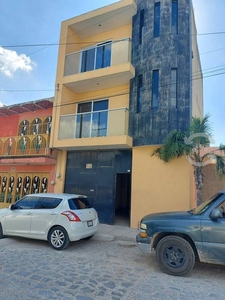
column 105, row 129
column 103, row 20
column 23, row 146
column 103, row 66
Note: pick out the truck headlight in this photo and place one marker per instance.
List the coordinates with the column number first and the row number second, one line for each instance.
column 143, row 226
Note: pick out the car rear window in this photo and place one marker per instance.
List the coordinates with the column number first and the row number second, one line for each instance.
column 48, row 203
column 78, row 203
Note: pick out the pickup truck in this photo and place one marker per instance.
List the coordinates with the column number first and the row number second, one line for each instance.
column 181, row 238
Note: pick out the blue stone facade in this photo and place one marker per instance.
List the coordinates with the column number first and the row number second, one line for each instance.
column 151, row 125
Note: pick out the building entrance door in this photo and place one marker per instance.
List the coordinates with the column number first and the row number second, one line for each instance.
column 123, row 199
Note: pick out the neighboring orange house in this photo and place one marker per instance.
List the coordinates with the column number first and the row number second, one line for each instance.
column 27, row 165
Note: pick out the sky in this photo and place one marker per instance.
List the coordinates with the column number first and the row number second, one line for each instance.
column 27, row 71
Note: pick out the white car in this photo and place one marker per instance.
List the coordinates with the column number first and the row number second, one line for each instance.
column 57, row 218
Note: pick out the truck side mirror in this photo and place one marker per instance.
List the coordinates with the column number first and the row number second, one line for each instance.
column 216, row 214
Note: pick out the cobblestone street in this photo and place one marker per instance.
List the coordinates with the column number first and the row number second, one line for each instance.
column 101, row 268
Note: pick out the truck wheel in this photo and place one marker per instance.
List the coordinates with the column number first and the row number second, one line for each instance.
column 58, row 238
column 175, row 255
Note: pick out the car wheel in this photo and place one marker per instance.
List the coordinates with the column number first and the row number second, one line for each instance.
column 175, row 255
column 1, row 234
column 58, row 238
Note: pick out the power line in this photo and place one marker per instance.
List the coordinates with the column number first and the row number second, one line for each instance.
column 26, row 90
column 213, row 51
column 211, row 33
column 160, row 86
column 96, row 42
column 56, row 43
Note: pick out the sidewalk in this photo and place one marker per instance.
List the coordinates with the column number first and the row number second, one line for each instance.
column 111, row 232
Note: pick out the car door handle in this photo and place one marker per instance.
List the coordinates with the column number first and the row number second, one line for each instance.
column 53, row 213
column 29, row 213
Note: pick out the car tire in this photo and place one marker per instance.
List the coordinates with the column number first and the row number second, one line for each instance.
column 175, row 256
column 58, row 238
column 1, row 234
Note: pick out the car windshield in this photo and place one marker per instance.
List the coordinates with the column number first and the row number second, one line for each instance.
column 205, row 205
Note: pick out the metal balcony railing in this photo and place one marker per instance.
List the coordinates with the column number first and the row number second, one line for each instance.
column 94, row 124
column 25, row 145
column 110, row 53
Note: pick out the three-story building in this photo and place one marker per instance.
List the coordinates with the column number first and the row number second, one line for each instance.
column 127, row 75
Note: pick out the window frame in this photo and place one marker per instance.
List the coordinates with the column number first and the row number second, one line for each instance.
column 174, row 17
column 139, row 93
column 141, row 25
column 80, row 115
column 95, row 49
column 155, row 88
column 157, row 19
column 173, row 104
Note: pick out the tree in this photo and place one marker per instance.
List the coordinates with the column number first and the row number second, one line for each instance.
column 191, row 144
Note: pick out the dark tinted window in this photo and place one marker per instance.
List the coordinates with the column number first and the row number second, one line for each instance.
column 155, row 88
column 157, row 19
column 173, row 88
column 103, row 55
column 139, row 94
column 88, row 60
column 26, row 203
column 142, row 20
column 48, row 203
column 78, row 203
column 174, row 16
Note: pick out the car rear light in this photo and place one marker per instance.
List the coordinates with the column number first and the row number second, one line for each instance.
column 72, row 217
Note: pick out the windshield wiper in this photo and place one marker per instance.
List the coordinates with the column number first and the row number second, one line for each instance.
column 191, row 211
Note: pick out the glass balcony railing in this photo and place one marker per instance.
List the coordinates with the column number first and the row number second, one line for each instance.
column 103, row 55
column 94, row 124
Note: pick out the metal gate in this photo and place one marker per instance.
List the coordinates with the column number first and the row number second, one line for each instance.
column 92, row 173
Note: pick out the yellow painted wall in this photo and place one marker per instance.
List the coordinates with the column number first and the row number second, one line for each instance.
column 61, row 170
column 118, row 98
column 157, row 186
column 197, row 83
column 65, row 99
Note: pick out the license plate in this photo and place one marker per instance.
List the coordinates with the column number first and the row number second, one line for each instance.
column 90, row 223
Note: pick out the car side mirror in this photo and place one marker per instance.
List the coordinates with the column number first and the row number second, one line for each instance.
column 216, row 214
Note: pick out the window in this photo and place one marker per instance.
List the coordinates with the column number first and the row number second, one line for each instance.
column 155, row 88
column 103, row 56
column 222, row 208
column 78, row 203
column 92, row 119
column 88, row 60
column 26, row 203
column 173, row 88
column 96, row 58
column 174, row 24
column 139, row 94
column 48, row 203
column 157, row 19
column 142, row 19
